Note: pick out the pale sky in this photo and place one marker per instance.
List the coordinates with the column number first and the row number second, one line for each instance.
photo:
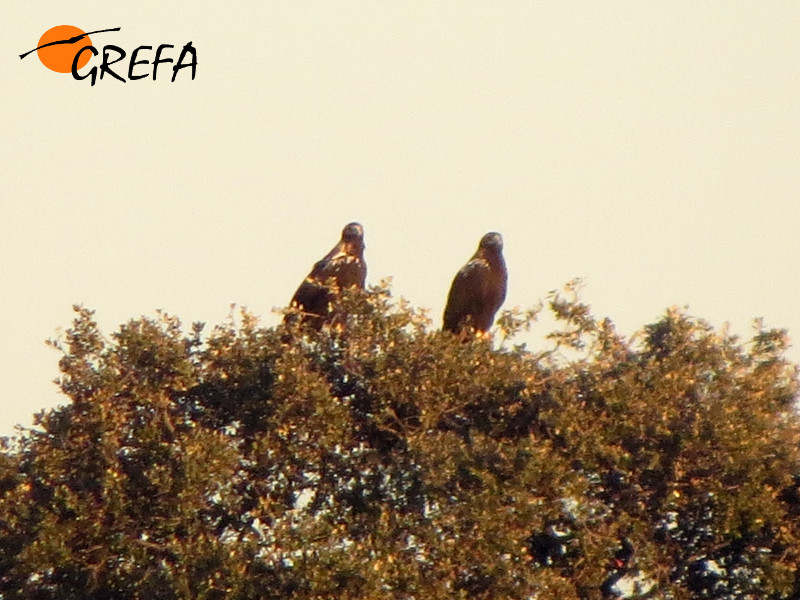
column 648, row 147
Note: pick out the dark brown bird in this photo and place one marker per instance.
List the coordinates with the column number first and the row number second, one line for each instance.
column 478, row 289
column 342, row 267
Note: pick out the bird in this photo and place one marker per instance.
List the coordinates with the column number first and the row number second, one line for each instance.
column 478, row 289
column 342, row 267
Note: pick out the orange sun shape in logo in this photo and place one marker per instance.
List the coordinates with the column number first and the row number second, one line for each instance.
column 59, row 57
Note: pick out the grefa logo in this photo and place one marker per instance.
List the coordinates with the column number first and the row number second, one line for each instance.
column 68, row 49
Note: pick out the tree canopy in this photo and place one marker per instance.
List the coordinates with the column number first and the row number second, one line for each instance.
column 380, row 458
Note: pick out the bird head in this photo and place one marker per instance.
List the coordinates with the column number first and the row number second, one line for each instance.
column 353, row 235
column 492, row 243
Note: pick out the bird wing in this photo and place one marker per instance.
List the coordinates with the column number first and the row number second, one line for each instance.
column 347, row 270
column 466, row 293
column 325, row 268
column 311, row 297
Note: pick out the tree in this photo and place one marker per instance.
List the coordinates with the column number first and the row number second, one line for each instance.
column 382, row 459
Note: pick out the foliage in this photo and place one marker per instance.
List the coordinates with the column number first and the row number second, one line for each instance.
column 379, row 458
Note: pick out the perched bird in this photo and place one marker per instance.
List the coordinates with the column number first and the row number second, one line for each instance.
column 478, row 289
column 342, row 267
